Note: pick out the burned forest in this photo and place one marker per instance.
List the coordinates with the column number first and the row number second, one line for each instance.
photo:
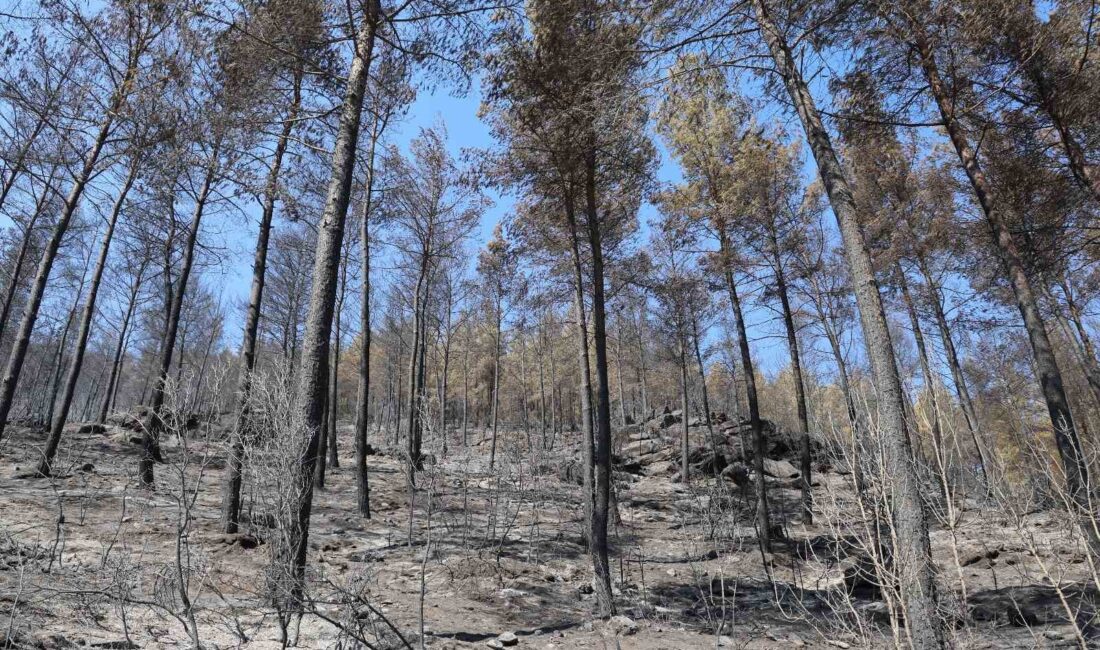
column 609, row 324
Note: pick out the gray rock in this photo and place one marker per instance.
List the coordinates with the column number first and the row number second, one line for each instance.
column 508, row 639
column 779, row 469
column 622, row 625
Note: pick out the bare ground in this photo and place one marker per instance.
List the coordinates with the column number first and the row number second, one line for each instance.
column 87, row 559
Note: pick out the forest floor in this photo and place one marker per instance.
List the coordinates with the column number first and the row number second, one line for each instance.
column 87, row 559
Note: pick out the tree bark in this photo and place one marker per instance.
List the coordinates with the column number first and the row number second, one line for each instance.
column 310, row 392
column 912, row 557
column 1073, row 459
column 763, row 515
column 62, row 412
column 961, row 389
column 21, row 255
column 231, row 501
column 154, row 424
column 120, row 349
column 796, row 377
column 45, row 264
column 598, row 546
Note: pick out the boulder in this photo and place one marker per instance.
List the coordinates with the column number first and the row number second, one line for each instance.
column 622, row 625
column 779, row 469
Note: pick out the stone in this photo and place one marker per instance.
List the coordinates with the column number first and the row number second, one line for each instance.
column 622, row 625
column 737, row 473
column 494, row 643
column 92, row 427
column 779, row 469
column 508, row 639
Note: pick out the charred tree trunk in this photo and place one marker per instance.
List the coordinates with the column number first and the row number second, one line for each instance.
column 763, row 514
column 961, row 389
column 598, row 542
column 1072, row 455
column 154, row 423
column 231, row 501
column 913, row 556
column 312, row 373
column 45, row 264
column 796, row 377
column 62, row 412
column 120, row 349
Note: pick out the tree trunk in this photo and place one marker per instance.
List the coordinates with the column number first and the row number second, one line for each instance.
column 929, row 379
column 45, row 264
column 362, row 397
column 763, row 515
column 685, row 477
column 641, row 360
column 312, row 373
column 120, row 349
column 913, row 556
column 21, row 256
column 496, row 381
column 713, row 441
column 1046, row 366
column 154, row 424
column 961, row 389
column 796, row 377
column 585, row 388
column 231, row 501
column 598, row 546
column 59, row 418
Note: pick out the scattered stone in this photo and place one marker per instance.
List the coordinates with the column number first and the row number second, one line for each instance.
column 494, row 643
column 508, row 639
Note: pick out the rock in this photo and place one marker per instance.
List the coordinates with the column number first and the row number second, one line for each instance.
column 779, row 469
column 1033, row 605
column 838, row 644
column 725, row 642
column 494, row 643
column 87, row 467
column 659, row 468
column 641, row 447
column 571, row 471
column 92, row 427
column 737, row 473
column 622, row 625
column 508, row 639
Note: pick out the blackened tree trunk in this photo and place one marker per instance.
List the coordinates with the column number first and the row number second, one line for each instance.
column 935, row 296
column 1073, row 459
column 642, row 379
column 913, row 556
column 313, row 370
column 584, row 364
column 231, row 501
column 62, row 411
column 796, row 377
column 697, row 348
column 497, row 317
column 685, row 476
column 362, row 397
column 45, row 264
column 929, row 379
column 154, row 423
column 21, row 256
column 763, row 514
column 120, row 348
column 598, row 542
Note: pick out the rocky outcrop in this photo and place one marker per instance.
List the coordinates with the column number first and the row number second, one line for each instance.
column 653, row 448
